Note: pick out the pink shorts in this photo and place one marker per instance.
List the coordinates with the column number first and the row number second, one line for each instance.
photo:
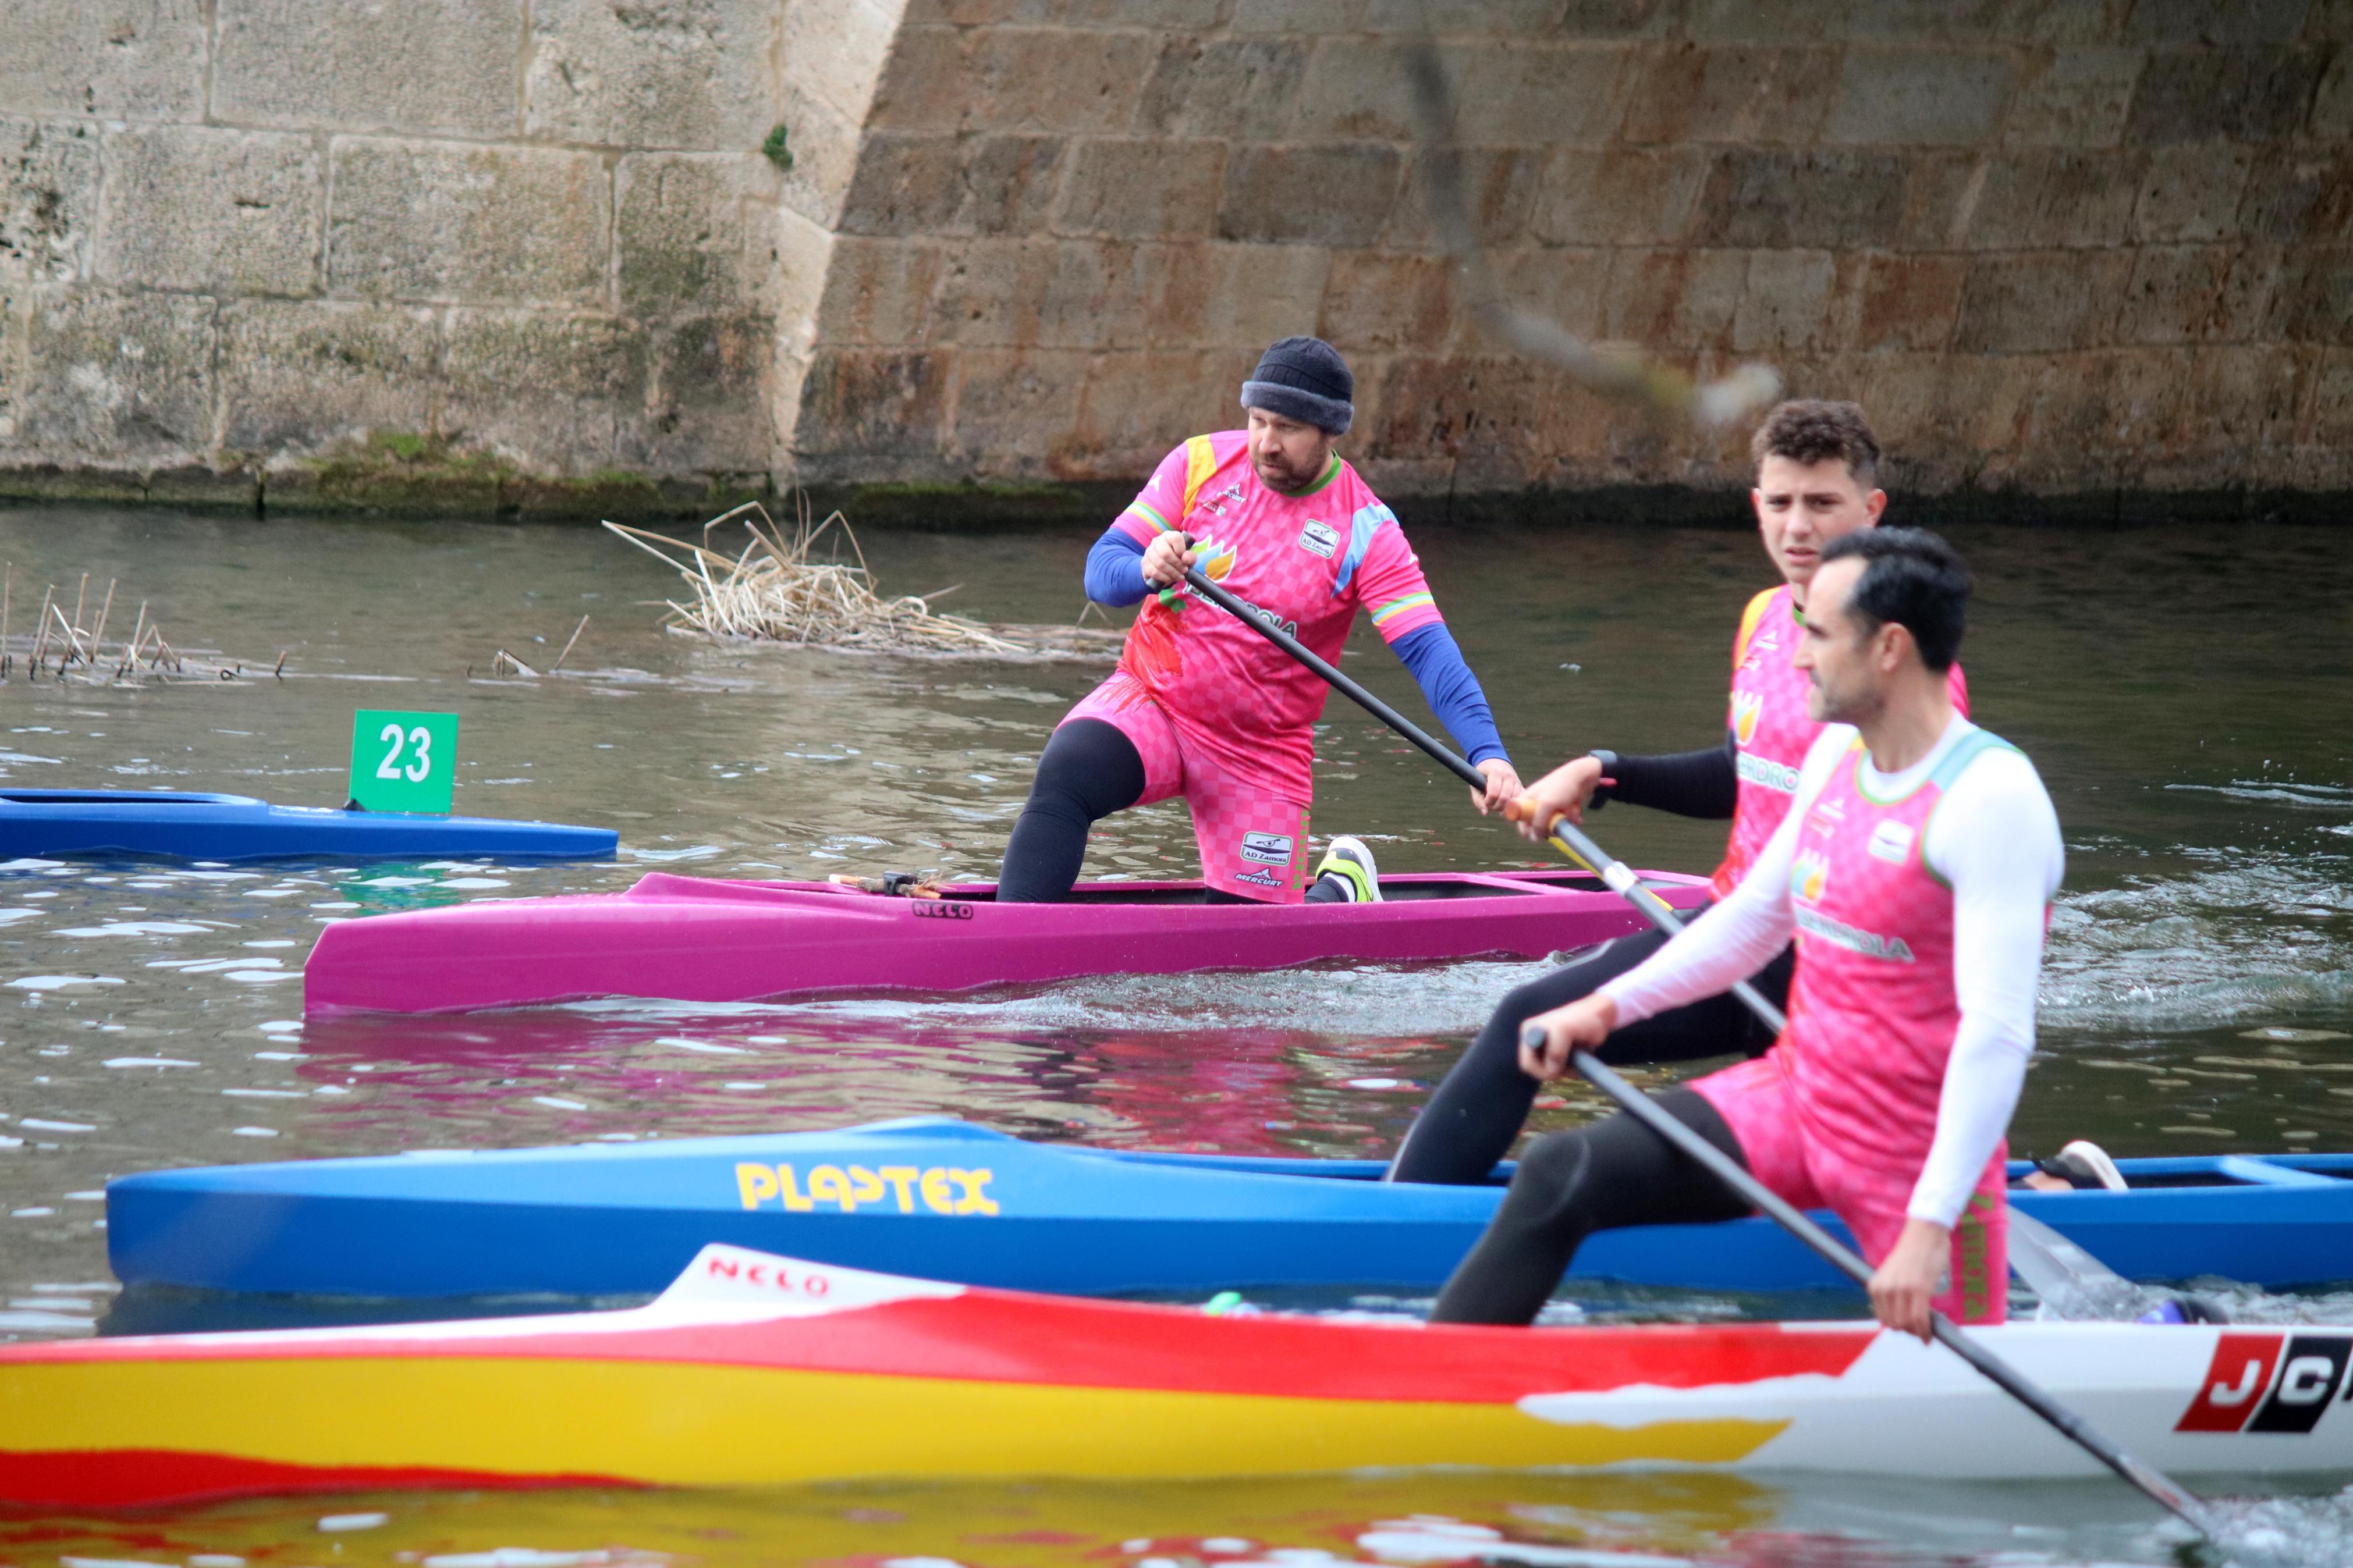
column 1253, row 843
column 1756, row 1101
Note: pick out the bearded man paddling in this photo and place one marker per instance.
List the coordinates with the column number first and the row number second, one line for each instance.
column 1817, row 481
column 1203, row 707
column 1915, row 868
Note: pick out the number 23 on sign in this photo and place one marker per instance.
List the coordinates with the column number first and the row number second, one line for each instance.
column 403, row 762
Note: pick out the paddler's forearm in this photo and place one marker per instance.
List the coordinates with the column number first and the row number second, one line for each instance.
column 1432, row 656
column 1115, row 574
column 1701, row 783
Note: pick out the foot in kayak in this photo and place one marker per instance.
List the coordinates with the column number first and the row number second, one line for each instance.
column 1347, row 874
column 2082, row 1166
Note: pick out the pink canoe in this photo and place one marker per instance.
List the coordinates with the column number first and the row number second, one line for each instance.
column 690, row 938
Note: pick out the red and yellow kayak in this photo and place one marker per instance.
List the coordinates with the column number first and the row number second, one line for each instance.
column 754, row 1369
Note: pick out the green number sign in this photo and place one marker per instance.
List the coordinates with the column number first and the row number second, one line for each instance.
column 403, row 762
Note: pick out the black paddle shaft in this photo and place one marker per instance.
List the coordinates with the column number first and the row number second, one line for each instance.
column 2152, row 1482
column 1646, row 1110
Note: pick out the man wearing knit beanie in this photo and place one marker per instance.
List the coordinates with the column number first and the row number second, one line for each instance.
column 1203, row 707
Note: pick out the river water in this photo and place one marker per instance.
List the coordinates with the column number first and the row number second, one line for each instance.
column 2186, row 692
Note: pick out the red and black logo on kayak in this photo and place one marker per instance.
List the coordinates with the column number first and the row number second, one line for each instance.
column 2268, row 1382
column 943, row 910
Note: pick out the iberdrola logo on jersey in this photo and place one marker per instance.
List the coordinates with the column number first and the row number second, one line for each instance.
column 1745, row 708
column 1808, row 874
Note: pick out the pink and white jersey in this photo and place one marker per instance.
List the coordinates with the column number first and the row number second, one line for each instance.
column 1770, row 732
column 1872, row 1008
column 1307, row 562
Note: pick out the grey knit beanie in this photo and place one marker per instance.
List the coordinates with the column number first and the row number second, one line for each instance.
column 1305, row 379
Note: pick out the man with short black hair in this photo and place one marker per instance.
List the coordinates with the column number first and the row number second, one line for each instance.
column 1817, row 481
column 1914, row 870
column 1201, row 705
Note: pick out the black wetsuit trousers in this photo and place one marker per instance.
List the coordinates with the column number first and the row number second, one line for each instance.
column 1089, row 771
column 1569, row 1185
column 1469, row 1124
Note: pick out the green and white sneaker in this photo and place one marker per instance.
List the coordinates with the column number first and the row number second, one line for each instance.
column 1349, row 863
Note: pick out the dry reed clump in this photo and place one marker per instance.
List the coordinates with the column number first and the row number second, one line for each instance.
column 775, row 592
column 62, row 641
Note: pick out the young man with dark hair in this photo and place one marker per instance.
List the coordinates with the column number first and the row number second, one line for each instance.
column 1914, row 870
column 1817, row 470
column 1201, row 705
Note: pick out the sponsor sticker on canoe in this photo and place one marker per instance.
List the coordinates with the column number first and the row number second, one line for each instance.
column 2310, row 1371
column 939, row 1189
column 2234, row 1384
column 942, row 909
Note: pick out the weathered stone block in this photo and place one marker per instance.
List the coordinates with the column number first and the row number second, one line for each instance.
column 49, row 200
column 1906, row 302
column 1135, row 407
column 992, row 292
column 2243, row 95
column 1376, row 300
column 237, row 212
column 300, row 376
column 1356, row 89
column 1621, row 196
column 824, row 148
column 834, row 50
column 1919, row 97
column 1566, row 286
column 2073, row 98
column 545, row 390
column 2191, row 193
column 412, row 220
column 1255, row 294
column 2314, row 300
column 423, row 66
column 1785, row 303
column 1501, row 186
column 914, row 183
column 2297, row 193
column 1141, row 188
column 2174, row 294
column 2212, row 22
column 1306, row 16
column 1684, row 298
column 1522, row 92
column 1729, row 93
column 112, row 380
column 1778, row 200
column 1758, row 21
column 878, row 292
column 1014, row 408
column 2042, row 301
column 878, row 402
column 109, row 60
column 707, row 412
column 2332, row 105
column 1171, row 14
column 696, row 231
column 1333, row 193
column 2046, row 198
column 1013, row 79
column 687, row 74
column 1100, row 294
column 1242, row 89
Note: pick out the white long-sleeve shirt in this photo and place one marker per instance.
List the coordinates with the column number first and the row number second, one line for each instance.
column 1994, row 839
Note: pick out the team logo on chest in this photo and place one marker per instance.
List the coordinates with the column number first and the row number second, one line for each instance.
column 1320, row 539
column 1891, row 841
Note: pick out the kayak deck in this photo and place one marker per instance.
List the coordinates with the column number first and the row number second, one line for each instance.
column 690, row 938
column 190, row 825
column 958, row 1202
column 756, row 1369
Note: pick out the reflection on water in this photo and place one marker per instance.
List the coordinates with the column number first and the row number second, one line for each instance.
column 2185, row 696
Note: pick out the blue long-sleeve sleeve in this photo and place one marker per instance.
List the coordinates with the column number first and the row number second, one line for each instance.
column 1447, row 686
column 1115, row 570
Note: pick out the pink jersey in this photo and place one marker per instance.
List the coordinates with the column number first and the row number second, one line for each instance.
column 1770, row 732
column 1873, row 1010
column 1307, row 562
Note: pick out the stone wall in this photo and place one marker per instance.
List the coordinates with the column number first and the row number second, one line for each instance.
column 527, row 253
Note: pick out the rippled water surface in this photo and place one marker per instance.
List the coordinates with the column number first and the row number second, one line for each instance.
column 2187, row 694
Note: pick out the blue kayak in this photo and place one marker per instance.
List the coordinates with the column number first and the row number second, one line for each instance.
column 944, row 1200
column 56, row 823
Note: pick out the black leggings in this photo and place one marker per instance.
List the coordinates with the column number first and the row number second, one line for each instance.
column 1613, row 1173
column 1089, row 771
column 1470, row 1123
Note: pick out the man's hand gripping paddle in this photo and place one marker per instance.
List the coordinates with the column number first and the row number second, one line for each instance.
column 1621, row 880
